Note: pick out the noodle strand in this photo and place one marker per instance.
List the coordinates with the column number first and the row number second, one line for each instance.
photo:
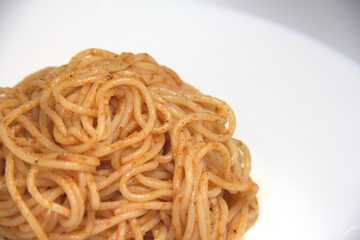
column 115, row 146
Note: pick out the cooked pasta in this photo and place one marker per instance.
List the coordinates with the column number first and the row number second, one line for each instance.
column 118, row 147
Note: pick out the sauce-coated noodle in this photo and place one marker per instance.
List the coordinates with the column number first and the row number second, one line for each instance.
column 118, row 147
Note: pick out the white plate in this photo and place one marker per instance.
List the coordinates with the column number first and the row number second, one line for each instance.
column 297, row 101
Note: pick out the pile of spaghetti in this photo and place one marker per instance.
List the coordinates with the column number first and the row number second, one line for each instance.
column 118, row 147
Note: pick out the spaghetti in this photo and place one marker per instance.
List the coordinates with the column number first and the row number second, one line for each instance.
column 118, row 147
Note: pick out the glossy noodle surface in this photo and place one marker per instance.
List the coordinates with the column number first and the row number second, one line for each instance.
column 115, row 146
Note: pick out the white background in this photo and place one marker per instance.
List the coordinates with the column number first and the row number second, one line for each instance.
column 332, row 22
